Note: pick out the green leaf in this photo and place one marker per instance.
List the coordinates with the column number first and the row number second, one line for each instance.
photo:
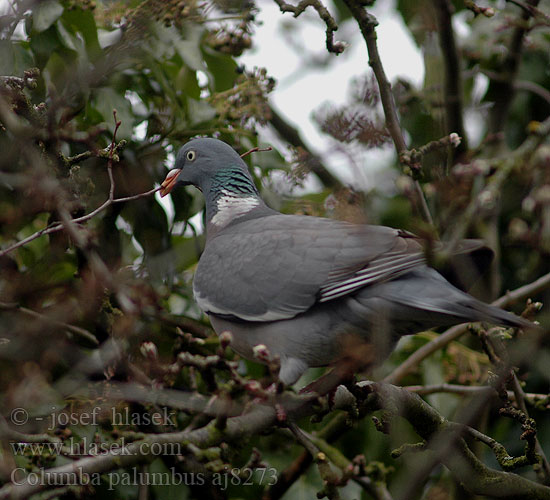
column 45, row 14
column 44, row 44
column 185, row 251
column 186, row 81
column 83, row 21
column 14, row 58
column 55, row 71
column 223, row 69
column 413, row 12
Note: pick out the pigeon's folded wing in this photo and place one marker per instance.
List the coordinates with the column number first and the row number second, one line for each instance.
column 276, row 267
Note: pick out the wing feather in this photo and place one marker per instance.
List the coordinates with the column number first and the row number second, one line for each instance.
column 278, row 266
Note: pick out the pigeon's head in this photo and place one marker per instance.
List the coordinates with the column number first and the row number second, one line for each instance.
column 200, row 161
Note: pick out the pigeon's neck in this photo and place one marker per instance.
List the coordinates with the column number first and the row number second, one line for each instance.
column 232, row 195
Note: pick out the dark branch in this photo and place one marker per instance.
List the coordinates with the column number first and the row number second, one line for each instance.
column 453, row 75
column 502, row 91
column 324, row 14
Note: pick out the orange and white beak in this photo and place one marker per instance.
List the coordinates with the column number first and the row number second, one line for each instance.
column 170, row 181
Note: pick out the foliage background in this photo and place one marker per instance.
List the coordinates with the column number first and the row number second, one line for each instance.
column 109, row 301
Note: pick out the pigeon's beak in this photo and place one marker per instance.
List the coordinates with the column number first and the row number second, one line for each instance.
column 170, row 181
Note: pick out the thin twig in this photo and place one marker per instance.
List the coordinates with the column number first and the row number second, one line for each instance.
column 303, row 439
column 526, row 85
column 182, row 400
column 107, row 203
column 330, row 433
column 101, row 153
column 256, row 150
column 503, row 90
column 445, row 440
column 476, row 9
column 425, row 390
column 413, row 157
column 80, row 332
column 520, row 397
column 505, row 165
column 500, row 360
column 463, row 464
column 466, row 390
column 329, row 477
column 59, row 227
column 110, row 161
column 533, row 11
column 6, row 432
column 324, row 14
column 506, row 461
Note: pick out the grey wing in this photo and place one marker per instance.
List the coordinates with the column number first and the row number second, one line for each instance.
column 278, row 266
column 405, row 255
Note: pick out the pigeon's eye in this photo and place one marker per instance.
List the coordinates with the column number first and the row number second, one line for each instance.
column 190, row 155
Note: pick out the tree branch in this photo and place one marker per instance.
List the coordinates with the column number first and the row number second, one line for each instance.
column 427, row 422
column 526, row 85
column 80, row 332
column 324, row 14
column 533, row 11
column 520, row 397
column 367, row 23
column 59, row 227
column 476, row 9
column 465, row 390
column 453, row 75
column 501, row 91
column 464, row 466
column 505, row 165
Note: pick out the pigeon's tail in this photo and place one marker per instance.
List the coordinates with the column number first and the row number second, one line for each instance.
column 480, row 311
column 423, row 298
column 459, row 304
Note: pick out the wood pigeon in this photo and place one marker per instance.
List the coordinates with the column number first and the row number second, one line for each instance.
column 313, row 291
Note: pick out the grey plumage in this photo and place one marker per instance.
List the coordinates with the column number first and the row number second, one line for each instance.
column 309, row 288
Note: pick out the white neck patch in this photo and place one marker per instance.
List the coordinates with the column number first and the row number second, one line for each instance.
column 231, row 206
